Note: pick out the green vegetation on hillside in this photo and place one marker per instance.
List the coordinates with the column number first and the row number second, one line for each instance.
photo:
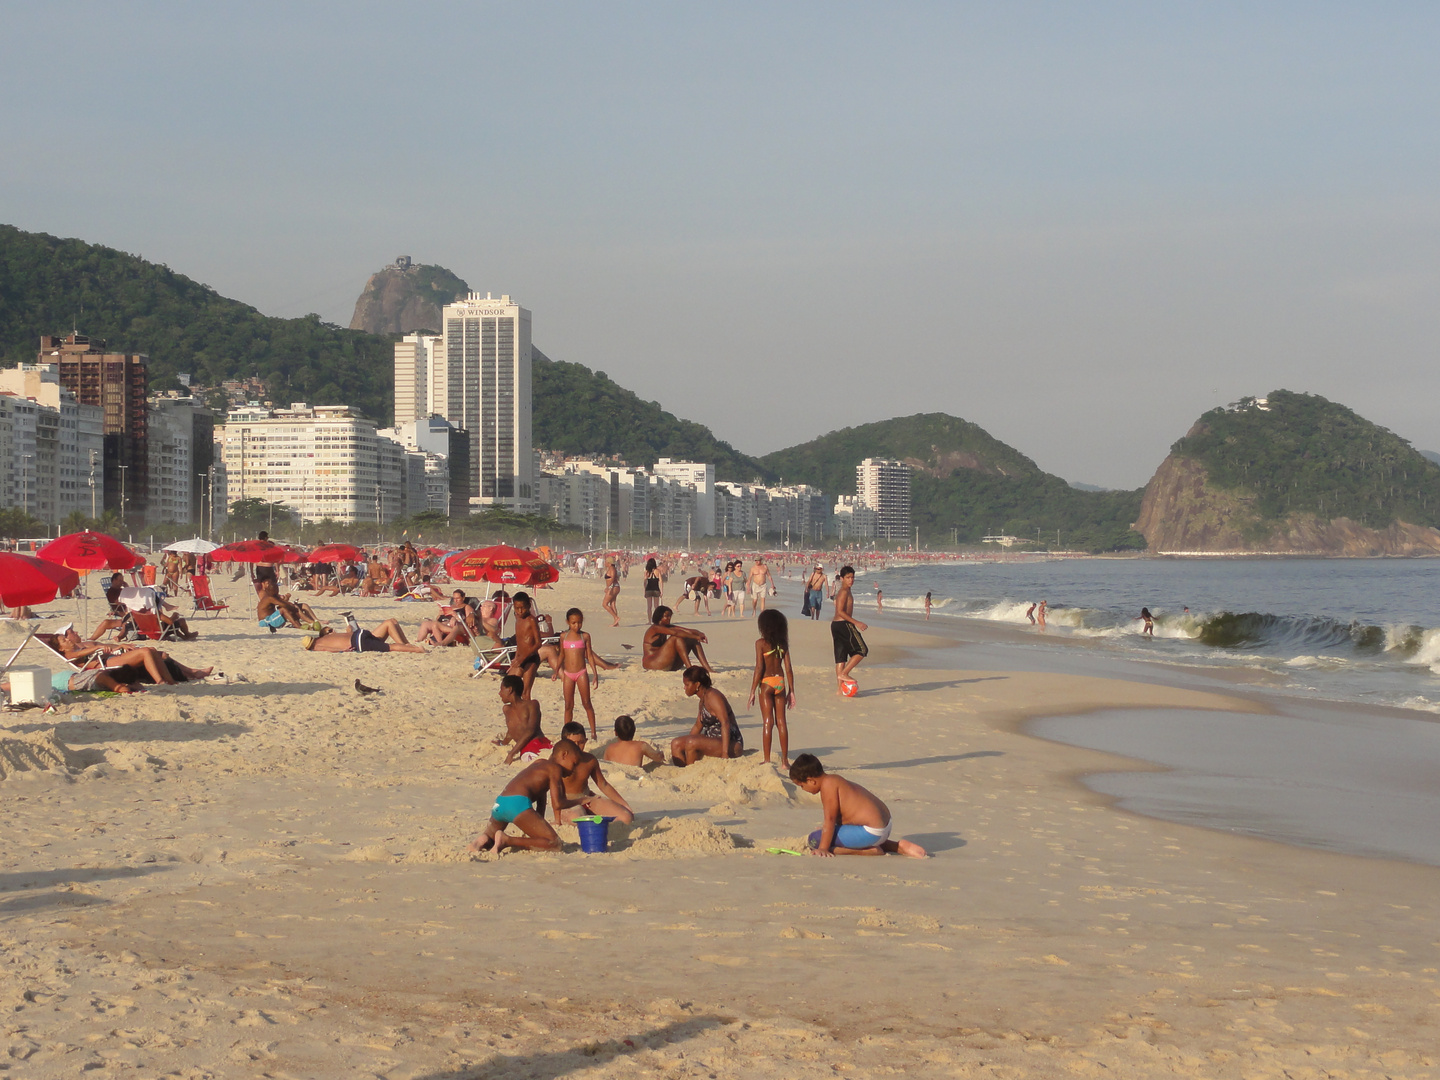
column 579, row 411
column 969, row 482
column 48, row 285
column 1304, row 454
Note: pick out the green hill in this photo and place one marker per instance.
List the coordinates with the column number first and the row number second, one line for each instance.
column 48, row 285
column 579, row 411
column 1301, row 454
column 967, row 481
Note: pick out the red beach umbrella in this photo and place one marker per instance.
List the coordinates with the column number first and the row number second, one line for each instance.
column 256, row 551
column 336, row 553
column 501, row 565
column 26, row 579
column 88, row 551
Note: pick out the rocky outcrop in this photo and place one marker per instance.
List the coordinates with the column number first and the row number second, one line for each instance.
column 405, row 297
column 1182, row 512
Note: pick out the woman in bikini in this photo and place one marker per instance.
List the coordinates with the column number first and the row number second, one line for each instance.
column 652, row 588
column 715, row 734
column 774, row 680
column 612, row 590
column 576, row 652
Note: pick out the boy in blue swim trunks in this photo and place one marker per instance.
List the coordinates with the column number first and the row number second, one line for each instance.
column 855, row 822
column 522, row 803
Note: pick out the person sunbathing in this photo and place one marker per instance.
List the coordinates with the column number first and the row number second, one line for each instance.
column 271, row 603
column 453, row 626
column 387, row 637
column 80, row 682
column 628, row 750
column 670, row 648
column 150, row 664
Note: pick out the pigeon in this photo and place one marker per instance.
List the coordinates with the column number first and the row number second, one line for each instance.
column 365, row 691
column 624, row 646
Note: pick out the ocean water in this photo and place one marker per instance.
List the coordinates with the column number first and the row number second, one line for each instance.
column 1361, row 630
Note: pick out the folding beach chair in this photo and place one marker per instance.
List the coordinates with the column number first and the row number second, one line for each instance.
column 200, row 587
column 147, row 624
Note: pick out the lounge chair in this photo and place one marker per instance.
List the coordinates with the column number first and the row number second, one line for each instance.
column 200, row 587
column 147, row 624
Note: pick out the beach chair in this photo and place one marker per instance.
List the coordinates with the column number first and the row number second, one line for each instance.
column 147, row 624
column 200, row 587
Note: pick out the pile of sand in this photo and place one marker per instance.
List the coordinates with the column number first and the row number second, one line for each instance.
column 673, row 838
column 42, row 751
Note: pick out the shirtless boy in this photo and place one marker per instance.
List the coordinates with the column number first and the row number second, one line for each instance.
column 855, row 822
column 577, row 784
column 850, row 647
column 522, row 722
column 522, row 803
column 628, row 750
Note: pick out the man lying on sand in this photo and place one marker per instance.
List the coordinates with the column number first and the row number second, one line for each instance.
column 577, row 785
column 628, row 750
column 522, row 722
column 387, row 637
column 522, row 803
column 855, row 821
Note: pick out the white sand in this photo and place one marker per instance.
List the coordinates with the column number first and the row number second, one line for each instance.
column 269, row 878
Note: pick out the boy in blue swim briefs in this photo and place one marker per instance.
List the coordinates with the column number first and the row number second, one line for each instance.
column 855, row 822
column 522, row 803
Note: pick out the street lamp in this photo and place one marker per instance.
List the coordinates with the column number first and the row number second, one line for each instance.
column 25, row 460
column 123, row 470
column 92, row 486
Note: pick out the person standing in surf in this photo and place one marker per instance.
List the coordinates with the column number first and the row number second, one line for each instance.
column 1149, row 621
column 850, row 647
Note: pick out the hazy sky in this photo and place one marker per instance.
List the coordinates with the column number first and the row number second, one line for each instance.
column 1077, row 225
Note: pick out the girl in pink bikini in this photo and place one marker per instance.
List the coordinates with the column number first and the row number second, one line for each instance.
column 577, row 660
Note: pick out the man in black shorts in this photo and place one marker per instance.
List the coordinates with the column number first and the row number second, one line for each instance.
column 850, row 647
column 387, row 637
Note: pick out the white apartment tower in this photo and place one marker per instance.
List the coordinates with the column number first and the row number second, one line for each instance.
column 479, row 380
column 884, row 486
column 413, row 366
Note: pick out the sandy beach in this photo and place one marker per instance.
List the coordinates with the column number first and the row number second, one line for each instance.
column 268, row 877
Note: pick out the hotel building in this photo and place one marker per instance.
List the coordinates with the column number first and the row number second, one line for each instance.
column 480, row 381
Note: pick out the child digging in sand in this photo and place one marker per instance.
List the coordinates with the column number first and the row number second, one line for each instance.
column 774, row 681
column 522, row 803
column 628, row 750
column 522, row 722
column 609, row 803
column 855, row 821
column 576, row 652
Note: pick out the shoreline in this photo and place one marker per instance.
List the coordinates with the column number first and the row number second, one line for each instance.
column 270, row 876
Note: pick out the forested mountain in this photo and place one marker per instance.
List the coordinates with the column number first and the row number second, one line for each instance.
column 1293, row 472
column 968, row 481
column 579, row 411
column 49, row 285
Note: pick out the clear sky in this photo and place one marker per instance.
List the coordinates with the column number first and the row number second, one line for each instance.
column 1077, row 225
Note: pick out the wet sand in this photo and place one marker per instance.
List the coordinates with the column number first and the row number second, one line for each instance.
column 269, row 878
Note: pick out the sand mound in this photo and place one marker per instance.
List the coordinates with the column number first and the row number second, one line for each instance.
column 673, row 838
column 41, row 751
column 740, row 782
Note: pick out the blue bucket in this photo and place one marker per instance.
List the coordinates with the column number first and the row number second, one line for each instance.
column 594, row 835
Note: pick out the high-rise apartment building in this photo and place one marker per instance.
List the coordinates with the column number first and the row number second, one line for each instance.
column 480, row 381
column 884, row 486
column 700, row 476
column 51, row 447
column 117, row 383
column 181, row 437
column 321, row 462
column 413, row 364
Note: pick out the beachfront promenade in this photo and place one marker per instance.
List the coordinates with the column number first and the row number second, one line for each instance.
column 270, row 878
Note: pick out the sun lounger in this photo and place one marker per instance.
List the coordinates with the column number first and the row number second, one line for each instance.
column 204, row 601
column 496, row 659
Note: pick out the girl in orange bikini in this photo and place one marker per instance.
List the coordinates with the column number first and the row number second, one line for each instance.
column 576, row 653
column 774, row 680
